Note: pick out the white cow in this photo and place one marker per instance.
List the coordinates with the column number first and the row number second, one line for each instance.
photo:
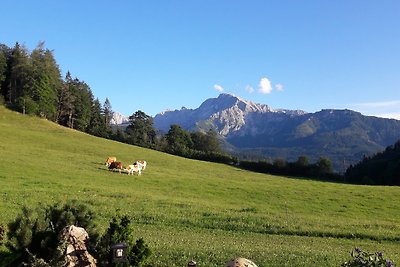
column 134, row 168
column 141, row 163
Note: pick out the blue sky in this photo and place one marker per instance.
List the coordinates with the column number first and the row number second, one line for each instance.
column 156, row 55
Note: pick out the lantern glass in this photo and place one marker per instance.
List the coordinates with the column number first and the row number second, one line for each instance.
column 119, row 252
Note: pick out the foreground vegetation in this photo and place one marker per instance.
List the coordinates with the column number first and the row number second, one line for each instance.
column 40, row 237
column 192, row 210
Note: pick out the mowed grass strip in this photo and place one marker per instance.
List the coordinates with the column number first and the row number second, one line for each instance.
column 193, row 209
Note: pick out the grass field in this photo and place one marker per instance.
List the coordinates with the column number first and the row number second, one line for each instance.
column 193, row 210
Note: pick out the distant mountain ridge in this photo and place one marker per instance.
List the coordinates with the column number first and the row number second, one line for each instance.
column 257, row 130
column 226, row 114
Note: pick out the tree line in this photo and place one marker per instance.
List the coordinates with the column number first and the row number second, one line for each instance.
column 31, row 83
column 177, row 141
column 380, row 169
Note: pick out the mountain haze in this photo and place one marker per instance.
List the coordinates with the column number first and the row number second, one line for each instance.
column 257, row 130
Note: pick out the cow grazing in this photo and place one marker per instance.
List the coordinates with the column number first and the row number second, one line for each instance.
column 141, row 163
column 134, row 168
column 116, row 165
column 109, row 160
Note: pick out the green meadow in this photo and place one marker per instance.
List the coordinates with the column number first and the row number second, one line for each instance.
column 193, row 210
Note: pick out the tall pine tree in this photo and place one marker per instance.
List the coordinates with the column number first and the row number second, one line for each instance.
column 19, row 77
column 141, row 131
column 65, row 102
column 46, row 81
column 108, row 113
column 5, row 54
column 97, row 125
column 83, row 104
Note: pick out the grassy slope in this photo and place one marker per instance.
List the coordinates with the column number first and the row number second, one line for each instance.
column 188, row 209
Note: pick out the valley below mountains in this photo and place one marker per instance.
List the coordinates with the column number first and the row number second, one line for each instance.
column 257, row 131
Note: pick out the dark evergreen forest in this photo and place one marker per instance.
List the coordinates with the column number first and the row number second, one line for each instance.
column 380, row 169
column 31, row 83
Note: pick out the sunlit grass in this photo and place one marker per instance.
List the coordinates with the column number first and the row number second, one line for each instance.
column 189, row 209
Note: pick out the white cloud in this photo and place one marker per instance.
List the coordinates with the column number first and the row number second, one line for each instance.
column 279, row 87
column 249, row 89
column 381, row 104
column 383, row 109
column 265, row 86
column 389, row 115
column 218, row 87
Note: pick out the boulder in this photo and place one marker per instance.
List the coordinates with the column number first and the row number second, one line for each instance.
column 77, row 254
column 240, row 262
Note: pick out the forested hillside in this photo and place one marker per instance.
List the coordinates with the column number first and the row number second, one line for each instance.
column 31, row 83
column 380, row 169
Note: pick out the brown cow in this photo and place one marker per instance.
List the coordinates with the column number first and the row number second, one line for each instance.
column 109, row 160
column 116, row 165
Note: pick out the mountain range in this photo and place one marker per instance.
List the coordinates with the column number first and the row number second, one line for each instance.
column 257, row 131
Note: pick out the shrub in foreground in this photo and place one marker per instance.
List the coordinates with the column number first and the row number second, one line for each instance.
column 34, row 238
column 120, row 230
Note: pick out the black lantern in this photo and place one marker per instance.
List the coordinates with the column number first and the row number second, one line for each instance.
column 119, row 252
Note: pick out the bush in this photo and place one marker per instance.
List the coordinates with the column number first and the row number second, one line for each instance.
column 33, row 237
column 364, row 259
column 120, row 230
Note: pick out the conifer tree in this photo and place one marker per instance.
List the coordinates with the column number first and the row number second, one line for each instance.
column 179, row 141
column 5, row 53
column 83, row 103
column 19, row 79
column 141, row 131
column 65, row 101
column 108, row 113
column 46, row 81
column 97, row 125
column 75, row 101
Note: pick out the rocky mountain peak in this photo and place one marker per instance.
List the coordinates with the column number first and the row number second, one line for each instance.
column 226, row 113
column 230, row 101
column 118, row 118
